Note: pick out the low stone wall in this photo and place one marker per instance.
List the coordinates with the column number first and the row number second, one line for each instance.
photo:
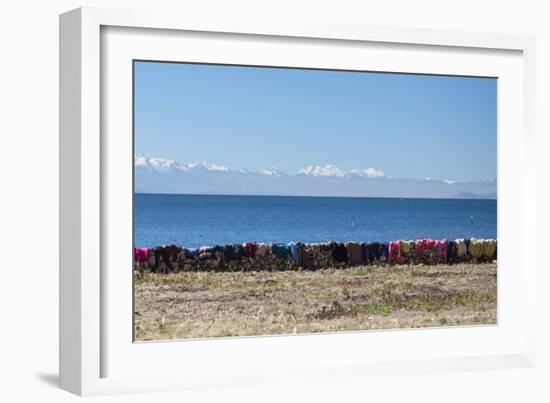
column 300, row 256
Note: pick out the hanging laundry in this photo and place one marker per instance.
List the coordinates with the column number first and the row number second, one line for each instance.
column 462, row 249
column 408, row 252
column 262, row 256
column 394, row 252
column 233, row 252
column 295, row 251
column 262, row 250
column 489, row 248
column 441, row 250
column 382, row 254
column 206, row 252
column 281, row 251
column 364, row 253
column 141, row 255
column 372, row 252
column 339, row 253
column 324, row 251
column 189, row 253
column 476, row 248
column 166, row 254
column 219, row 256
column 425, row 247
column 405, row 246
column 308, row 257
column 249, row 249
column 173, row 252
column 451, row 251
column 355, row 253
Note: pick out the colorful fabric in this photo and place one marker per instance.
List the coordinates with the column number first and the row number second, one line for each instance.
column 294, row 251
column 420, row 246
column 355, row 253
column 167, row 254
column 489, row 248
column 250, row 249
column 476, row 248
column 281, row 251
column 451, row 251
column 189, row 253
column 372, row 252
column 233, row 252
column 171, row 258
column 308, row 256
column 462, row 249
column 262, row 250
column 206, row 252
column 382, row 255
column 425, row 245
column 339, row 253
column 394, row 252
column 172, row 251
column 141, row 255
column 406, row 246
column 441, row 250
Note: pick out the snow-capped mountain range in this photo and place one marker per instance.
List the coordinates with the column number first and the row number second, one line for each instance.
column 159, row 164
column 158, row 175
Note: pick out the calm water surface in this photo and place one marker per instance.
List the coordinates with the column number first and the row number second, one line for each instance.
column 196, row 220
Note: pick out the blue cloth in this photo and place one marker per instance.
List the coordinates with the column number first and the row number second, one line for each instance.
column 294, row 251
column 281, row 251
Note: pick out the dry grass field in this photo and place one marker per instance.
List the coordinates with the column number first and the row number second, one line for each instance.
column 215, row 304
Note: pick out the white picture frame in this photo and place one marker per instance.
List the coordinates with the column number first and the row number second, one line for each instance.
column 98, row 356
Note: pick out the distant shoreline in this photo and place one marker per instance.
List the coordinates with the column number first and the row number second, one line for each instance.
column 315, row 196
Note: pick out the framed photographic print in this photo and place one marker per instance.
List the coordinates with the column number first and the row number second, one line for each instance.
column 248, row 201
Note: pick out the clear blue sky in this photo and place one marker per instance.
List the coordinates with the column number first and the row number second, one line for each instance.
column 252, row 118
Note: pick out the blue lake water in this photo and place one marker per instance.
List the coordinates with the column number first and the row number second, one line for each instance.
column 197, row 220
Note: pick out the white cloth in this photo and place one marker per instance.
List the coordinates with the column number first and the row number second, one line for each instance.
column 462, row 250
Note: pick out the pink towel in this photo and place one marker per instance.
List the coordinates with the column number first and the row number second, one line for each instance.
column 420, row 245
column 425, row 245
column 141, row 255
column 395, row 246
column 441, row 247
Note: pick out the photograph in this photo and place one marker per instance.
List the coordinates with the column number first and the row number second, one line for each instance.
column 272, row 200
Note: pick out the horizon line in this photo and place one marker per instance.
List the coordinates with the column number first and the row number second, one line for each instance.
column 316, row 196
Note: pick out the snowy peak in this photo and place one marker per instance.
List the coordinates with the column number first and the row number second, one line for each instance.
column 155, row 164
column 271, row 171
column 206, row 166
column 327, row 170
column 152, row 164
column 158, row 175
column 332, row 170
column 369, row 173
column 160, row 164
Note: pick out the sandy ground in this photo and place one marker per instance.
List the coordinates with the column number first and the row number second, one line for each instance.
column 208, row 304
